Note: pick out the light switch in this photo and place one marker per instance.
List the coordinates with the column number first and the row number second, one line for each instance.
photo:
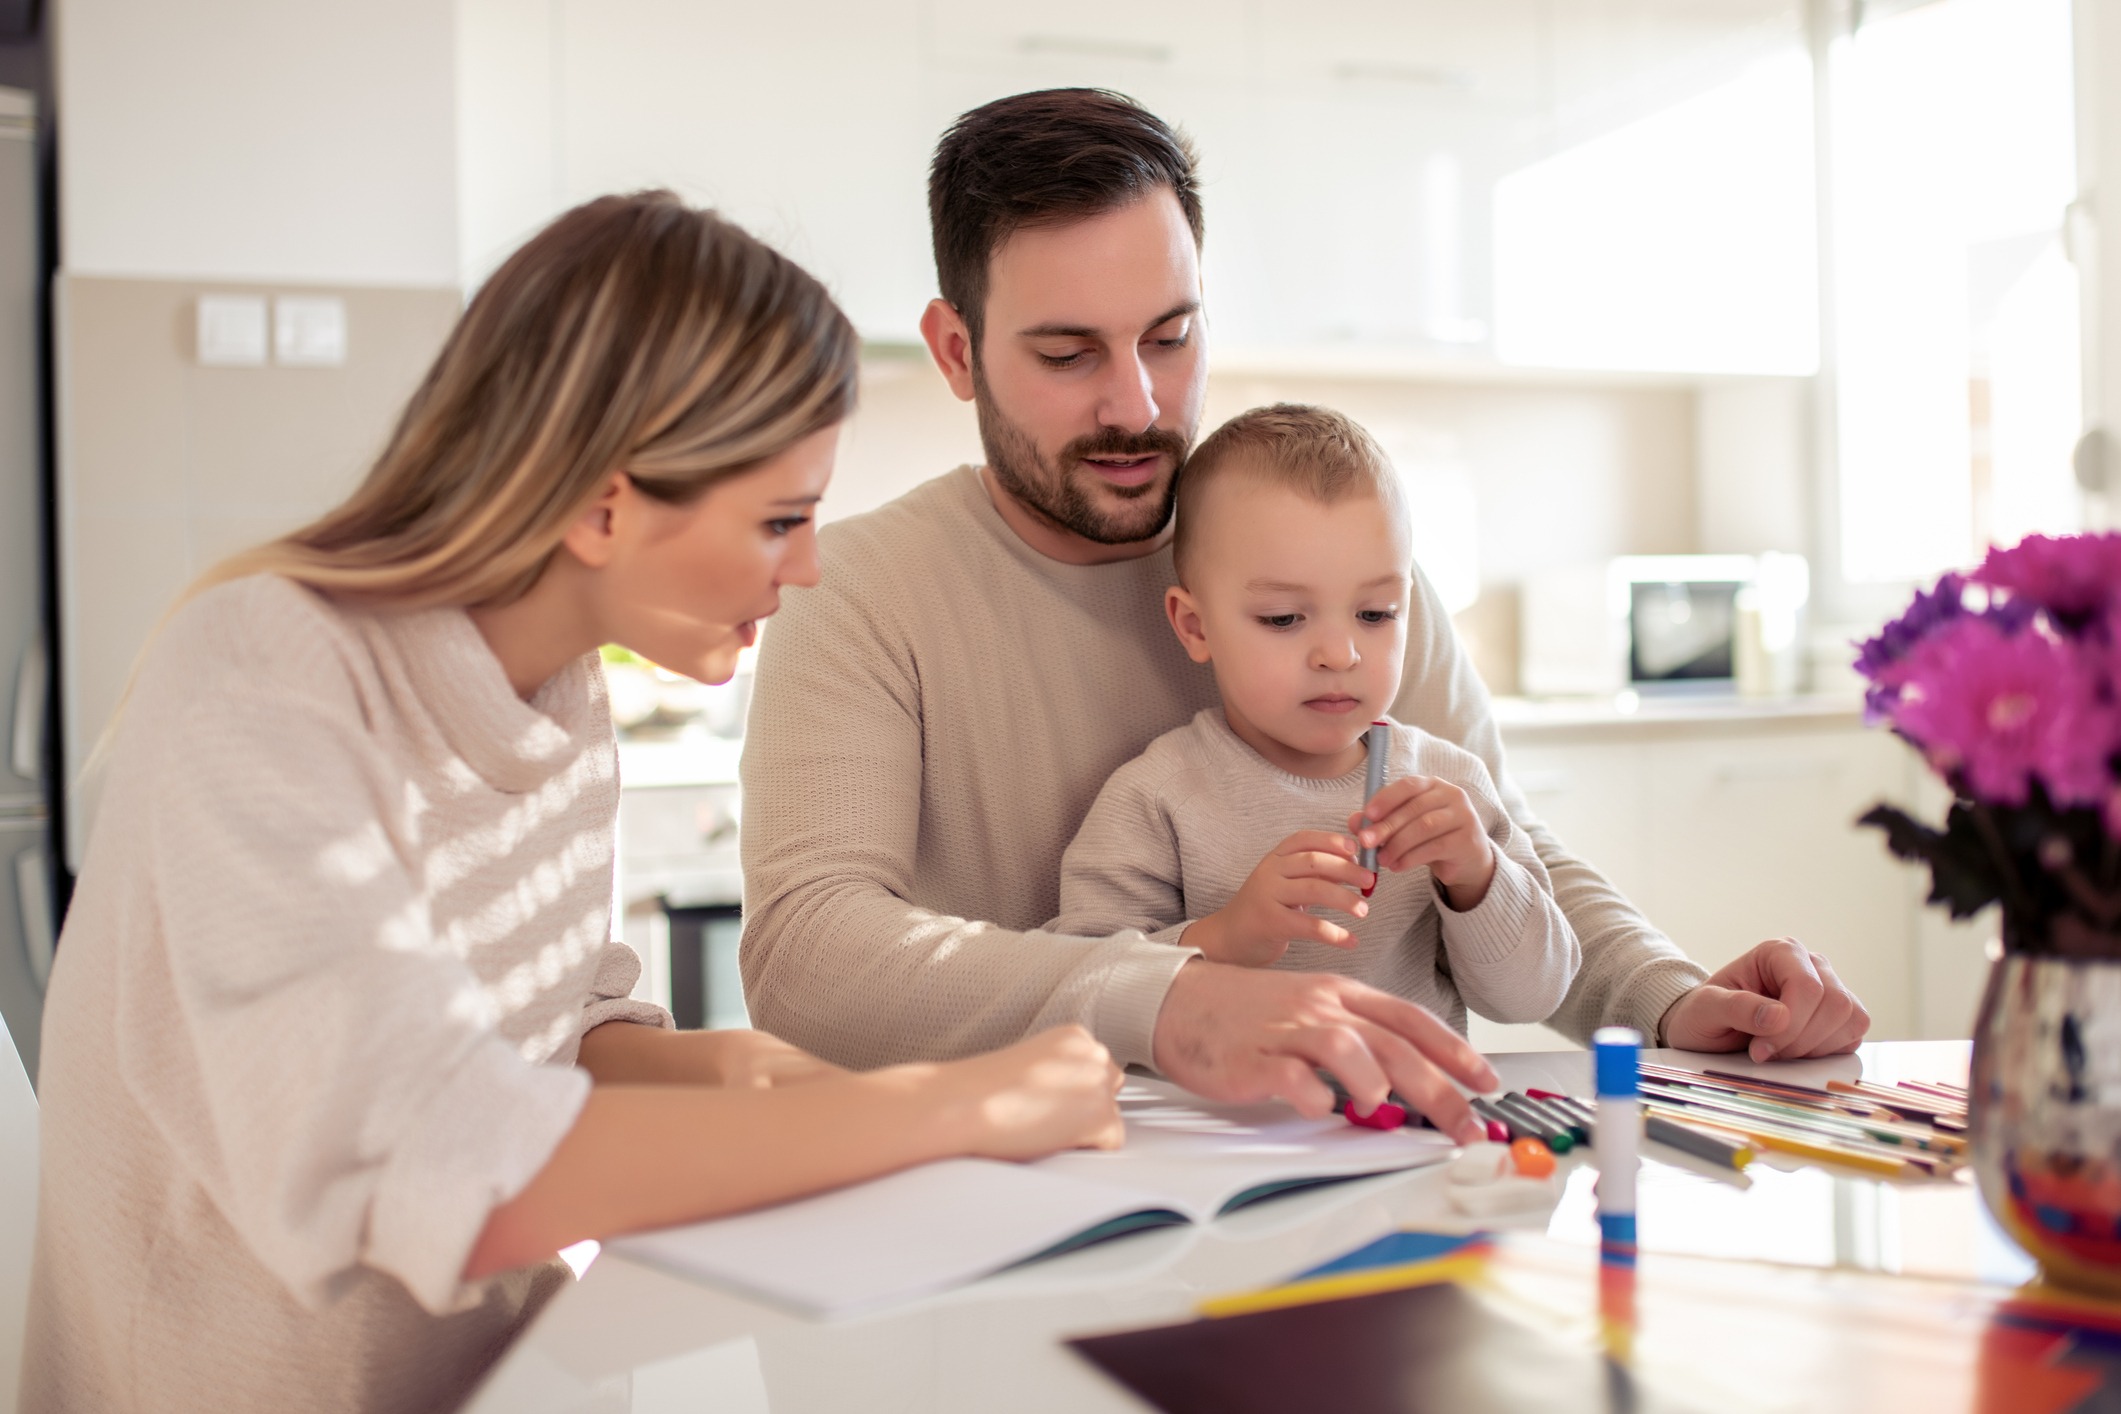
column 309, row 330
column 231, row 329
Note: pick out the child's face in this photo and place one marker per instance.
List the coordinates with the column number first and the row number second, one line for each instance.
column 1301, row 609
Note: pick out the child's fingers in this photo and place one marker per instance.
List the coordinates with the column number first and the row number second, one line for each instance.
column 1394, row 794
column 1333, row 868
column 1317, row 842
column 1309, row 927
column 1416, row 825
column 1317, row 893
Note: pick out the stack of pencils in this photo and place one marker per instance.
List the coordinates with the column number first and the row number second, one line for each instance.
column 1909, row 1130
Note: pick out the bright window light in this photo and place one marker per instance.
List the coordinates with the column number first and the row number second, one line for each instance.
column 1957, row 393
column 1685, row 241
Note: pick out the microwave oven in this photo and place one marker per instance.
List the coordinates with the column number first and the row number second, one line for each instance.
column 1665, row 624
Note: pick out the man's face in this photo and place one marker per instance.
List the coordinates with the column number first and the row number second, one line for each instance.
column 1092, row 366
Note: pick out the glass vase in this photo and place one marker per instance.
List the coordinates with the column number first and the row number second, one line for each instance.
column 2045, row 1112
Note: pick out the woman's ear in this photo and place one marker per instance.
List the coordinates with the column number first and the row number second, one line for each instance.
column 1186, row 623
column 593, row 537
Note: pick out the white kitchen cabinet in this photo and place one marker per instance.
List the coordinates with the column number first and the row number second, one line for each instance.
column 1350, row 150
column 1731, row 829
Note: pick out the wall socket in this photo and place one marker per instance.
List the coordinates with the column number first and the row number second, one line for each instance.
column 231, row 330
column 306, row 331
column 309, row 331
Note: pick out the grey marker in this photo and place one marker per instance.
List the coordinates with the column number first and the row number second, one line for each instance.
column 1380, row 742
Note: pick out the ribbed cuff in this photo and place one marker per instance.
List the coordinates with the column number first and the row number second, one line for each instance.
column 1649, row 994
column 1124, row 1017
column 631, row 1009
column 476, row 1143
column 1496, row 927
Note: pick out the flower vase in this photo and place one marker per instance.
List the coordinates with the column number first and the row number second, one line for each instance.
column 2045, row 1112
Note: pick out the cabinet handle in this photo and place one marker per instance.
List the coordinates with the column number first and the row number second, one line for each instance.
column 30, row 681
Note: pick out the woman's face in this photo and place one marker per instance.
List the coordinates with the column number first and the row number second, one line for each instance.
column 687, row 585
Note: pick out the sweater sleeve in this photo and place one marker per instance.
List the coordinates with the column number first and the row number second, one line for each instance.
column 1122, row 869
column 1631, row 973
column 1513, row 955
column 315, row 1057
column 832, row 765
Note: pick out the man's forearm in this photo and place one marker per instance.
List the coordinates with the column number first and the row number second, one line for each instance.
column 1631, row 973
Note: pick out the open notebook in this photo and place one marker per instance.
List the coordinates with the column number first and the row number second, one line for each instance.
column 931, row 1228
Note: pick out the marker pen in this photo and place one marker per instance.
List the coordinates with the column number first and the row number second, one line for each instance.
column 1380, row 742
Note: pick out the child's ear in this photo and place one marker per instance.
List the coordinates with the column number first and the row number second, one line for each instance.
column 1185, row 622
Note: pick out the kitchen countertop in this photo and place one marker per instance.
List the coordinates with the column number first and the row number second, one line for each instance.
column 699, row 758
column 1520, row 715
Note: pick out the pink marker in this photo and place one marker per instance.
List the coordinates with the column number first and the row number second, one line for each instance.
column 1380, row 740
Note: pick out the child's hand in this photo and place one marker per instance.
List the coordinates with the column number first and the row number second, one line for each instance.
column 1425, row 820
column 1309, row 867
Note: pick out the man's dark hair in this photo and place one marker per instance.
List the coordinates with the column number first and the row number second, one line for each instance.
column 1042, row 159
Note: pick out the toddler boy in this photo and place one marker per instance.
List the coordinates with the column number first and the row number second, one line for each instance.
column 1294, row 557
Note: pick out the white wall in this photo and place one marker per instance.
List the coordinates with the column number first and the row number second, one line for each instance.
column 290, row 140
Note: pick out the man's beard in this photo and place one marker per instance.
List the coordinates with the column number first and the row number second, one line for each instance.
column 1055, row 489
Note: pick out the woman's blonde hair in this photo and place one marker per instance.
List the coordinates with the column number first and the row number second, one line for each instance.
column 633, row 334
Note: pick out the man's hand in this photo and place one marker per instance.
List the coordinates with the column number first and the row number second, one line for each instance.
column 1426, row 820
column 1233, row 1034
column 1778, row 1002
column 1309, row 868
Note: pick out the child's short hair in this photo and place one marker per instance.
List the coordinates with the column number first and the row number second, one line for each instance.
column 1313, row 451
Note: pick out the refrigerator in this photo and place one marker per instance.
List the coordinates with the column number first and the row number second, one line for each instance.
column 28, row 861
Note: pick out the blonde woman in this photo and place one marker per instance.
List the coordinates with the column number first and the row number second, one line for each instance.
column 338, row 1051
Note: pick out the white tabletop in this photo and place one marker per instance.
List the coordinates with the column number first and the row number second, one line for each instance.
column 627, row 1339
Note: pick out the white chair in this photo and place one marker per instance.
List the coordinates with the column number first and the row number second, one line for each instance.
column 18, row 1213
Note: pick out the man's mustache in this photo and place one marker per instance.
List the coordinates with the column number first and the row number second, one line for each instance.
column 1116, row 442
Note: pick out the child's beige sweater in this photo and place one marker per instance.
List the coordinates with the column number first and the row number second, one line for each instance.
column 342, row 923
column 929, row 728
column 1177, row 831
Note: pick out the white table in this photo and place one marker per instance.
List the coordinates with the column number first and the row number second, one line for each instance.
column 625, row 1338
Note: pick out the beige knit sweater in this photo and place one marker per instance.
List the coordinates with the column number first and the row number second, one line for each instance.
column 928, row 729
column 341, row 925
column 1176, row 832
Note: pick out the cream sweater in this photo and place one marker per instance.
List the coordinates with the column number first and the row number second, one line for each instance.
column 342, row 923
column 929, row 728
column 1176, row 832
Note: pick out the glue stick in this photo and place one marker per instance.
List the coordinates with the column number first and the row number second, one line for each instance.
column 1616, row 1136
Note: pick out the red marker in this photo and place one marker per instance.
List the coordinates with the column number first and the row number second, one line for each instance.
column 1385, row 1116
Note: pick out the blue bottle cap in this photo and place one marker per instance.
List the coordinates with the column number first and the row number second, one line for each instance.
column 1619, row 1050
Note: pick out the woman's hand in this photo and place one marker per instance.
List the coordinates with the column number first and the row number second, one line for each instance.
column 1056, row 1090
column 1427, row 820
column 755, row 1060
column 1310, row 868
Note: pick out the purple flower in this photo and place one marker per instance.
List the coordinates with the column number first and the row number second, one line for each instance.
column 2074, row 577
column 1993, row 709
column 1883, row 659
